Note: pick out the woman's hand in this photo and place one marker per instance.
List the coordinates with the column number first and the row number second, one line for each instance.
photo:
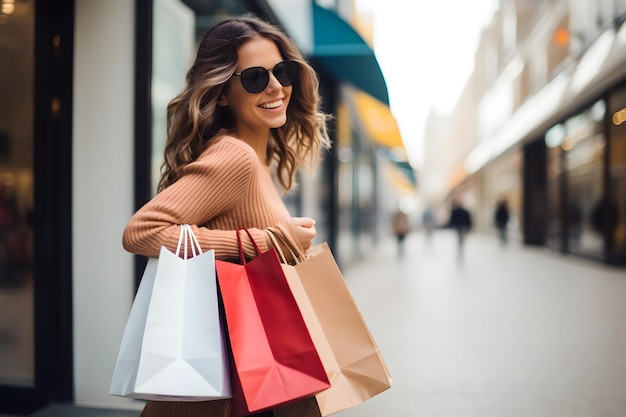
column 305, row 230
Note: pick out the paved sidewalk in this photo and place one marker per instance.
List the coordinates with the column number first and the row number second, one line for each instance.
column 502, row 332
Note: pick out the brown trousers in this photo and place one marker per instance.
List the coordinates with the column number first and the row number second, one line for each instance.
column 221, row 408
column 218, row 408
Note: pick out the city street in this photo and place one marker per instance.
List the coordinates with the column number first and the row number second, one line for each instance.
column 501, row 332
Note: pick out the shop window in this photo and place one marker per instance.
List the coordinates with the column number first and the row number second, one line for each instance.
column 584, row 147
column 17, row 28
column 172, row 51
column 554, row 218
column 615, row 213
column 177, row 25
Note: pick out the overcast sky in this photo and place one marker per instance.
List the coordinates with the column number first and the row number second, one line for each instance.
column 426, row 51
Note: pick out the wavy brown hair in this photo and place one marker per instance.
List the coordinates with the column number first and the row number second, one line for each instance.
column 194, row 119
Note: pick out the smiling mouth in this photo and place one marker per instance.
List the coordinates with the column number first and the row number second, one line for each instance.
column 271, row 105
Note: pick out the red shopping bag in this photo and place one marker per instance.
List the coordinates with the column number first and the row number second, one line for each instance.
column 274, row 360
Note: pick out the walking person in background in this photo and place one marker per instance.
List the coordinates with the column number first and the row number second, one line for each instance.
column 461, row 222
column 428, row 221
column 248, row 117
column 401, row 227
column 501, row 220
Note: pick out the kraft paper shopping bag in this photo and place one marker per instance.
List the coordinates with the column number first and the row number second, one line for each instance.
column 353, row 362
column 173, row 346
column 274, row 361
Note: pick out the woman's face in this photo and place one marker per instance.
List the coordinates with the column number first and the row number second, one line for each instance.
column 256, row 113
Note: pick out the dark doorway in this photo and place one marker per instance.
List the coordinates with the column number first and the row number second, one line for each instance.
column 36, row 53
column 535, row 193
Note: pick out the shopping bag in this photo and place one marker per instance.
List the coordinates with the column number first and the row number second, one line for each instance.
column 354, row 364
column 274, row 360
column 173, row 346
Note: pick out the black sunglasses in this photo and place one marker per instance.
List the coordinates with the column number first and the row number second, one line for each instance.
column 256, row 79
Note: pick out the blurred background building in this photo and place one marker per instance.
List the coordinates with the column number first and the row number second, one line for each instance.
column 539, row 124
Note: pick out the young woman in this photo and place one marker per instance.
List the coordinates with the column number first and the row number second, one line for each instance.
column 247, row 118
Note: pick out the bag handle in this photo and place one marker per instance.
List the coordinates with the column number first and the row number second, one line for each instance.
column 242, row 256
column 277, row 239
column 188, row 236
column 298, row 256
column 279, row 250
column 194, row 241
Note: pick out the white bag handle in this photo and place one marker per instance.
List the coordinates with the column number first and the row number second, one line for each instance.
column 187, row 235
column 194, row 241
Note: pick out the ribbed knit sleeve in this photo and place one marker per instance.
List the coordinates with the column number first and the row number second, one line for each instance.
column 225, row 189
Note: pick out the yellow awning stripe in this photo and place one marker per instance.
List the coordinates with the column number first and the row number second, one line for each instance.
column 379, row 122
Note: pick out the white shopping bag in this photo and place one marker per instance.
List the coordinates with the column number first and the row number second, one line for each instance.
column 173, row 344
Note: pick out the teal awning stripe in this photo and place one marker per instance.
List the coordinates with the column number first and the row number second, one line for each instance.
column 344, row 54
column 343, row 49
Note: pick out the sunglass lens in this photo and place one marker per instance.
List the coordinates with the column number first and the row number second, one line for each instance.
column 286, row 72
column 254, row 80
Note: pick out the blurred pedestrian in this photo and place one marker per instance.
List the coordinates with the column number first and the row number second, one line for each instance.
column 401, row 228
column 501, row 220
column 460, row 221
column 604, row 218
column 428, row 221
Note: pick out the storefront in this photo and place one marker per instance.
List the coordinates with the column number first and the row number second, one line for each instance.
column 614, row 219
column 575, row 184
column 565, row 145
column 35, row 203
column 584, row 180
column 83, row 86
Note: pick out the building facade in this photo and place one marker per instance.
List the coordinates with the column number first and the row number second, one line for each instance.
column 547, row 97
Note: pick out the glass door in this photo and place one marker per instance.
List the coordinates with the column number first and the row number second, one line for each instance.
column 554, row 215
column 615, row 212
column 584, row 147
column 36, row 56
column 17, row 357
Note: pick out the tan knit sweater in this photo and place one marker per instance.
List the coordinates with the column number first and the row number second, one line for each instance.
column 226, row 188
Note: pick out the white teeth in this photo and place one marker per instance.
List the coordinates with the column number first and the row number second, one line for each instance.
column 272, row 105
